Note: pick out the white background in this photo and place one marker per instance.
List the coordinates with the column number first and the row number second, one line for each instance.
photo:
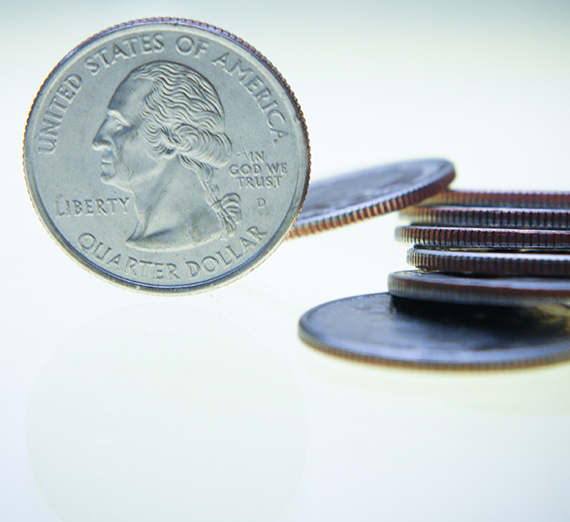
column 116, row 406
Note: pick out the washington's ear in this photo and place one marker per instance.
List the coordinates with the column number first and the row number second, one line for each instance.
column 198, row 144
column 186, row 137
column 169, row 153
column 170, row 143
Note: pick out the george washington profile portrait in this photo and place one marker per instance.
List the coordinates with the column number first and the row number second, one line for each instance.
column 163, row 140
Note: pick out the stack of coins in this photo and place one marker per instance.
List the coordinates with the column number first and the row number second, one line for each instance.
column 487, row 248
column 486, row 294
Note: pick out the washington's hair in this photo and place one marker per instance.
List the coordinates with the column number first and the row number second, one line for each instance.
column 183, row 115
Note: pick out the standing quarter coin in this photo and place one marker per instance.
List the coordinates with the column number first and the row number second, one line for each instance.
column 167, row 155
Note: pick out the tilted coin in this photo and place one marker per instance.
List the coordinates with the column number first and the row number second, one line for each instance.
column 501, row 199
column 489, row 217
column 491, row 263
column 346, row 199
column 504, row 291
column 167, row 155
column 394, row 331
column 491, row 238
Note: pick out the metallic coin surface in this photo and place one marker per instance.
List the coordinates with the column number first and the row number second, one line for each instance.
column 167, row 155
column 350, row 198
column 503, row 291
column 457, row 216
column 490, row 263
column 501, row 199
column 489, row 238
column 394, row 331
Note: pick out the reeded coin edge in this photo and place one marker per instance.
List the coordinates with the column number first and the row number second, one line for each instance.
column 489, row 263
column 279, row 236
column 488, row 217
column 322, row 346
column 488, row 238
column 521, row 199
column 407, row 284
column 394, row 203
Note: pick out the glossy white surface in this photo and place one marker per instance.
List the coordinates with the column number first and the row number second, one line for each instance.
column 123, row 407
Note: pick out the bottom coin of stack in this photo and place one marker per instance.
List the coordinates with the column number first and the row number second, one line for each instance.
column 491, row 291
column 398, row 331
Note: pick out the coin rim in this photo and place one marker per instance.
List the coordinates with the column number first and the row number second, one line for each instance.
column 489, row 262
column 489, row 198
column 485, row 217
column 280, row 234
column 485, row 238
column 415, row 284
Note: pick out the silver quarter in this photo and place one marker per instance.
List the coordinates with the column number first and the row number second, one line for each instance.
column 167, row 155
column 353, row 197
column 503, row 291
column 395, row 331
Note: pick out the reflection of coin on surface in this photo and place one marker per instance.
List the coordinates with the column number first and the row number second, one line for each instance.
column 157, row 413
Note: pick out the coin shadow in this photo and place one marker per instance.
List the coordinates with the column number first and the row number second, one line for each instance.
column 524, row 325
column 163, row 412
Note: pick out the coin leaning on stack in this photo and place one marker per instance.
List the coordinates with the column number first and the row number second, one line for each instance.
column 487, row 248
